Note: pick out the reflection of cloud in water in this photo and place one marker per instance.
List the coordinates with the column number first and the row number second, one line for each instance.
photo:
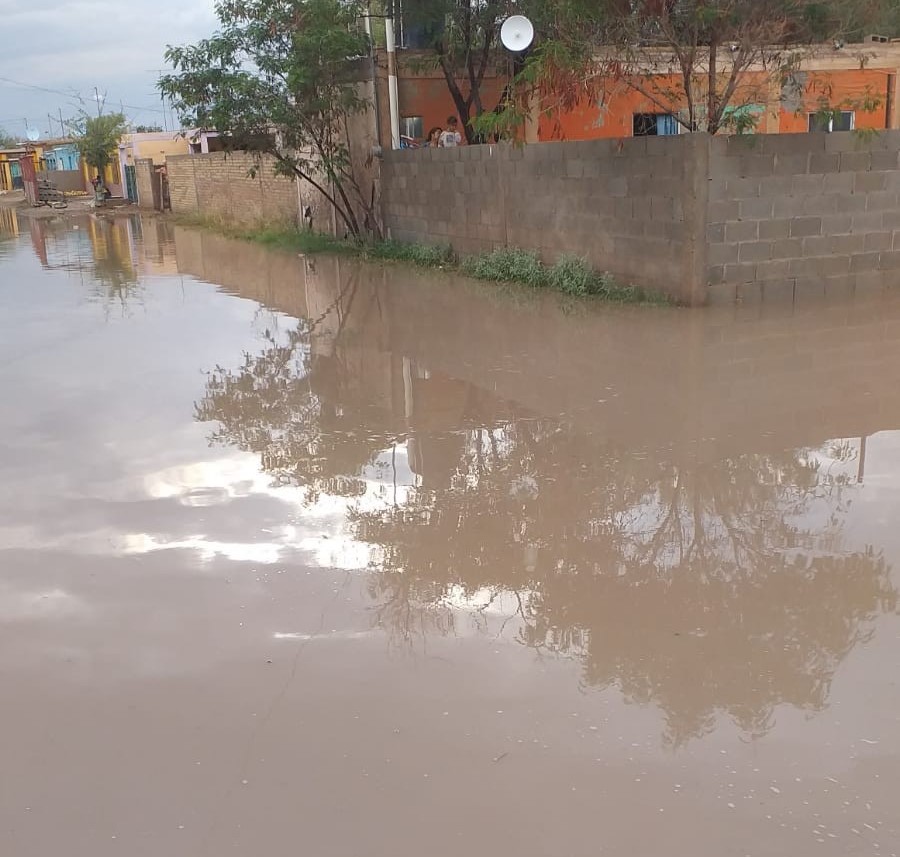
column 55, row 603
column 216, row 483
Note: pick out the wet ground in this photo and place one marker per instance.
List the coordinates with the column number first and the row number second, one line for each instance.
column 304, row 557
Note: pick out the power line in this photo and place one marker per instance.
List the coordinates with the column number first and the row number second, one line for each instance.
column 72, row 94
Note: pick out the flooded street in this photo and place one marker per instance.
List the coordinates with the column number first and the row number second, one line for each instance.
column 300, row 556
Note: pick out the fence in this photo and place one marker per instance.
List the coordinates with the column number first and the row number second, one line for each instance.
column 699, row 218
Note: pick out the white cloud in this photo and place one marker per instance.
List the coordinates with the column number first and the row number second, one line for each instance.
column 73, row 47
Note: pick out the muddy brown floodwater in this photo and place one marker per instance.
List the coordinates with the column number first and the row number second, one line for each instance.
column 299, row 556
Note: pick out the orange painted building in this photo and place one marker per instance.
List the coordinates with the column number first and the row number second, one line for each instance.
column 854, row 87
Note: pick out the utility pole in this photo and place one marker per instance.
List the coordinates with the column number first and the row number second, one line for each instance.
column 393, row 99
column 99, row 101
column 62, row 126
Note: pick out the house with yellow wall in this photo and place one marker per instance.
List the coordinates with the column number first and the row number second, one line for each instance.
column 10, row 172
column 155, row 146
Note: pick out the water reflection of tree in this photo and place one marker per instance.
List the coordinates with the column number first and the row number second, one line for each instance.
column 704, row 588
column 287, row 406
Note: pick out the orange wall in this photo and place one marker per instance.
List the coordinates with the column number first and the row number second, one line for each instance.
column 429, row 98
column 842, row 89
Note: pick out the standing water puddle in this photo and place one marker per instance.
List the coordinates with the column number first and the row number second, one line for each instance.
column 312, row 557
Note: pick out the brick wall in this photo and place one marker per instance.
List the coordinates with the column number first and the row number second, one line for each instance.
column 805, row 216
column 629, row 206
column 219, row 185
column 780, row 217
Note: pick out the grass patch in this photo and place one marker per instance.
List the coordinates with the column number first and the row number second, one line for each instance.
column 571, row 275
column 424, row 255
column 507, row 265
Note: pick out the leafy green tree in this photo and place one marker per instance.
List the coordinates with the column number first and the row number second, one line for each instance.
column 276, row 80
column 6, row 140
column 97, row 138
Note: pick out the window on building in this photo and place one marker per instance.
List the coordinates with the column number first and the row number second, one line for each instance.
column 654, row 125
column 832, row 120
column 743, row 118
column 412, row 127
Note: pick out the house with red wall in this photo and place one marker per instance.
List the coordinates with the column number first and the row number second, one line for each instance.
column 841, row 87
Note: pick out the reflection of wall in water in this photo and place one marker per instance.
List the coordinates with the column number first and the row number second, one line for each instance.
column 9, row 222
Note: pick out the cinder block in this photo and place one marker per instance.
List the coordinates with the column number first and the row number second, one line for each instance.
column 740, row 273
column 864, row 182
column 817, row 245
column 773, row 230
column 789, row 248
column 855, row 162
column 792, row 165
column 836, row 224
column 820, row 204
column 715, row 233
column 868, row 222
column 755, row 251
column 773, row 269
column 742, row 230
column 843, row 141
column 848, row 244
column 789, row 206
column 877, row 241
column 756, row 209
column 803, row 226
column 723, row 254
column 824, row 163
column 862, row 262
column 721, row 211
column 808, row 184
column 742, row 188
column 881, row 200
column 887, row 161
column 890, row 260
column 756, row 165
column 716, row 275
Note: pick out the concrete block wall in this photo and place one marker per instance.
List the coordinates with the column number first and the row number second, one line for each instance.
column 65, row 180
column 803, row 216
column 770, row 217
column 219, row 185
column 629, row 207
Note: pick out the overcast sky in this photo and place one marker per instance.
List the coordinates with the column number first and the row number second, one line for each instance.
column 75, row 45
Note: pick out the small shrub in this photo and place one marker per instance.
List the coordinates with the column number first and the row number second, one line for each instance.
column 425, row 255
column 573, row 275
column 508, row 265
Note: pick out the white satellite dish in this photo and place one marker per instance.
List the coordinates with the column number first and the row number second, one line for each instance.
column 517, row 33
column 32, row 134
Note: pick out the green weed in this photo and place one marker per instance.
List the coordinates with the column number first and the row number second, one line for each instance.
column 571, row 275
column 507, row 265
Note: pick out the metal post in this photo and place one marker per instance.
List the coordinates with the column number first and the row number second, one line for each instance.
column 393, row 97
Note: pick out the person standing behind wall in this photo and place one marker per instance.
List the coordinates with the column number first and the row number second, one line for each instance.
column 451, row 137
